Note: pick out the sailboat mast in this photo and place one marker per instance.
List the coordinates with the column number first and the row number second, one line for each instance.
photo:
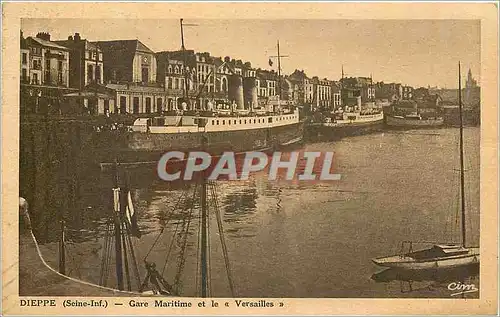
column 462, row 183
column 118, row 234
column 183, row 48
column 279, row 72
column 204, row 238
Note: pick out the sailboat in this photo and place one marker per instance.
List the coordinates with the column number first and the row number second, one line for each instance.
column 443, row 256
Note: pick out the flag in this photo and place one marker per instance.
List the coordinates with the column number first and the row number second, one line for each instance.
column 270, row 62
column 132, row 217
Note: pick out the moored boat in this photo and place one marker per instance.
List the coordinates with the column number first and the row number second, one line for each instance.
column 438, row 256
column 149, row 138
column 413, row 121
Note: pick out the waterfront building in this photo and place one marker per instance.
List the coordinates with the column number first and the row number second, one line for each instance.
column 305, row 86
column 406, row 93
column 25, row 60
column 266, row 83
column 86, row 61
column 177, row 75
column 128, row 61
column 336, row 95
column 391, row 91
column 49, row 61
column 44, row 74
column 321, row 93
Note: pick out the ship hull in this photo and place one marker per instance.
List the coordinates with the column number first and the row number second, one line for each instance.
column 406, row 123
column 408, row 263
column 144, row 147
column 346, row 128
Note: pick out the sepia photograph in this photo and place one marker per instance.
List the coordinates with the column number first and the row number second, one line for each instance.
column 256, row 159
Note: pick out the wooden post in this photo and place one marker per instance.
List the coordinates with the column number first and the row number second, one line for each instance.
column 118, row 235
column 62, row 250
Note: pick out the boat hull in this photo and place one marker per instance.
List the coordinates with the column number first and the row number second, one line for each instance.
column 342, row 129
column 141, row 147
column 408, row 263
column 406, row 123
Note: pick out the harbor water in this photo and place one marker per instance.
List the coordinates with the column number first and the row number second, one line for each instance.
column 287, row 239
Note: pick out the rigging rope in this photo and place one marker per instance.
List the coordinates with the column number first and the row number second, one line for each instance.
column 222, row 239
column 182, row 258
column 163, row 228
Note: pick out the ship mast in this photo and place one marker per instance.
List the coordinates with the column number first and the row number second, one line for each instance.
column 462, row 183
column 184, row 54
column 204, row 238
column 279, row 57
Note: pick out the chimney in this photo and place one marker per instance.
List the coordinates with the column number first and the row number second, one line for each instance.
column 70, row 38
column 43, row 35
column 77, row 37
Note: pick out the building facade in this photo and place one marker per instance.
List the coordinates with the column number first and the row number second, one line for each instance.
column 128, row 61
column 49, row 62
column 86, row 61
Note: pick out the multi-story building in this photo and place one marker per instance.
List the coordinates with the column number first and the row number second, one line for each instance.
column 322, row 93
column 305, row 86
column 266, row 83
column 177, row 74
column 336, row 95
column 25, row 61
column 44, row 74
column 128, row 61
column 86, row 61
column 49, row 61
column 205, row 71
column 406, row 93
column 392, row 91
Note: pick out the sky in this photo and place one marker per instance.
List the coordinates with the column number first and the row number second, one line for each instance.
column 413, row 52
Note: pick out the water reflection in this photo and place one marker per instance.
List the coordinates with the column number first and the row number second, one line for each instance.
column 284, row 239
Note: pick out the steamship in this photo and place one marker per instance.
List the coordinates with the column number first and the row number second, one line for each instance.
column 229, row 126
column 239, row 131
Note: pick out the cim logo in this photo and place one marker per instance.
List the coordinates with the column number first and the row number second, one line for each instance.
column 302, row 166
column 461, row 288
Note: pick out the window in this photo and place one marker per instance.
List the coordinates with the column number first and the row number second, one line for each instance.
column 24, row 74
column 223, row 122
column 136, row 105
column 213, row 122
column 90, row 73
column 176, row 83
column 25, row 58
column 98, row 74
column 217, row 122
column 148, row 105
column 169, row 83
column 123, row 104
column 159, row 105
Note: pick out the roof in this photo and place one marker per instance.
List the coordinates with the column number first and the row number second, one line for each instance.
column 298, row 75
column 266, row 75
column 127, row 45
column 71, row 44
column 47, row 43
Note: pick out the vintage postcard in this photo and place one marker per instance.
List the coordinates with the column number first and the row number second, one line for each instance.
column 213, row 158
